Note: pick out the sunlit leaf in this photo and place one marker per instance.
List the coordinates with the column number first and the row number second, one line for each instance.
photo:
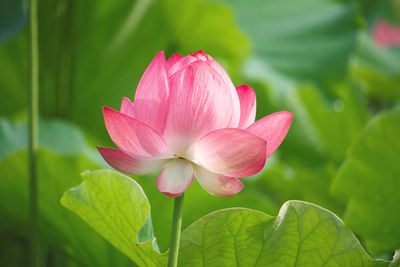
column 116, row 206
column 302, row 234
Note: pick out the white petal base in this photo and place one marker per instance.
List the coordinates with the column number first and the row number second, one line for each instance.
column 217, row 184
column 176, row 176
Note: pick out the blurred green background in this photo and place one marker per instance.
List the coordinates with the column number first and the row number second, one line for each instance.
column 315, row 58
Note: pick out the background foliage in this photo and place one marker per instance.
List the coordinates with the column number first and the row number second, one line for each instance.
column 315, row 58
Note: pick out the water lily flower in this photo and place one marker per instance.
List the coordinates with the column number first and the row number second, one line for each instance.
column 188, row 118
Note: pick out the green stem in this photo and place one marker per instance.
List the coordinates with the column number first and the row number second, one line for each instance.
column 33, row 132
column 175, row 232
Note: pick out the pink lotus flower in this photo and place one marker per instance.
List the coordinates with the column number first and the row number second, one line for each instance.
column 386, row 35
column 189, row 119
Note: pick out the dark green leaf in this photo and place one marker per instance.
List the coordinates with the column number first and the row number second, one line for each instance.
column 93, row 55
column 377, row 70
column 12, row 18
column 61, row 157
column 370, row 179
column 305, row 39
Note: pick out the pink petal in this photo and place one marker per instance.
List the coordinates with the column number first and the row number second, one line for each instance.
column 181, row 64
column 217, row 184
column 173, row 60
column 134, row 137
column 189, row 59
column 220, row 70
column 231, row 152
column 151, row 99
column 186, row 61
column 273, row 129
column 127, row 107
column 200, row 101
column 247, row 99
column 124, row 163
column 175, row 177
column 201, row 55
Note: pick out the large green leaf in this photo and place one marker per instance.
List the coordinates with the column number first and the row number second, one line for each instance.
column 304, row 39
column 370, row 179
column 92, row 55
column 63, row 154
column 117, row 208
column 302, row 234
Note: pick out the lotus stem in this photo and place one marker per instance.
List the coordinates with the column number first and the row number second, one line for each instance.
column 33, row 132
column 175, row 232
